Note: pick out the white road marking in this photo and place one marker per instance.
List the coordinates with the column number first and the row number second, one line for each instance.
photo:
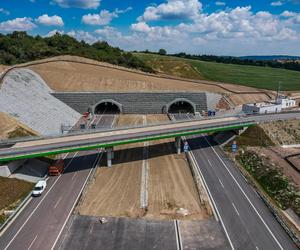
column 221, row 183
column 58, row 201
column 209, row 162
column 98, row 158
column 32, row 242
column 235, row 209
column 178, row 235
column 74, row 175
column 17, row 233
column 254, row 208
column 213, row 201
column 257, row 248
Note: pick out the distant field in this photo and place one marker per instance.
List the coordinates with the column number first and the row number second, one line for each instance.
column 251, row 76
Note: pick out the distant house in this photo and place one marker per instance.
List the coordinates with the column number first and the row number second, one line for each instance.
column 276, row 106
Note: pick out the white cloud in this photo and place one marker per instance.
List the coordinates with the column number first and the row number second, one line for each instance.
column 172, row 9
column 238, row 31
column 103, row 18
column 83, row 4
column 50, row 20
column 288, row 14
column 4, row 11
column 17, row 24
column 53, row 32
column 83, row 35
column 219, row 3
column 277, row 3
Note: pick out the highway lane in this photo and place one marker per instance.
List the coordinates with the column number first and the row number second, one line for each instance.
column 247, row 221
column 39, row 225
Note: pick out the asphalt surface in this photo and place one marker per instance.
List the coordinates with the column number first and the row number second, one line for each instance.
column 41, row 222
column 246, row 220
column 153, row 131
column 86, row 232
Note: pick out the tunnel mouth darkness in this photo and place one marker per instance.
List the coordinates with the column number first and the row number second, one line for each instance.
column 181, row 107
column 107, row 108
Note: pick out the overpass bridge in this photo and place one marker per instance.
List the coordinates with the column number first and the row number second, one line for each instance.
column 109, row 138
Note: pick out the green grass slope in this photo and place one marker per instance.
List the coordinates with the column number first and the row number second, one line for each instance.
column 251, row 76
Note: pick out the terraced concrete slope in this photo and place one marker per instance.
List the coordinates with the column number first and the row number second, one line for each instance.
column 25, row 95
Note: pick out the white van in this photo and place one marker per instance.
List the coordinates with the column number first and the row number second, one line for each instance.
column 39, row 188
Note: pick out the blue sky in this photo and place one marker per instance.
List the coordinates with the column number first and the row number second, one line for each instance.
column 222, row 27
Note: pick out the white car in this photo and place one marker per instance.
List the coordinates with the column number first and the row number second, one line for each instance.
column 39, row 188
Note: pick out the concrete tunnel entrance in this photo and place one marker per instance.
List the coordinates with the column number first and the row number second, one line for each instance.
column 107, row 107
column 181, row 106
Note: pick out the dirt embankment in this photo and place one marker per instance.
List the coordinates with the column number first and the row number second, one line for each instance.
column 171, row 189
column 12, row 128
column 70, row 73
column 283, row 132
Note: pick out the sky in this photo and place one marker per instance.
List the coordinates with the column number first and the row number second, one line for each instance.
column 222, row 27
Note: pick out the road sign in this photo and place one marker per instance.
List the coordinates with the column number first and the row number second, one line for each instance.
column 234, row 147
column 186, row 147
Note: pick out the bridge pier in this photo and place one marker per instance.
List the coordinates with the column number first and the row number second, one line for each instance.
column 240, row 131
column 178, row 145
column 110, row 156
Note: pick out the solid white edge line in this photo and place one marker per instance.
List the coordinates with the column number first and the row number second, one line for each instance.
column 214, row 203
column 9, row 243
column 254, row 208
column 76, row 200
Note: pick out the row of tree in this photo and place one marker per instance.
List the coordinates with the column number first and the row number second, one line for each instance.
column 287, row 64
column 19, row 47
column 290, row 65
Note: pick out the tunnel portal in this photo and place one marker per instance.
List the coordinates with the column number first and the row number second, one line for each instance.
column 107, row 107
column 181, row 106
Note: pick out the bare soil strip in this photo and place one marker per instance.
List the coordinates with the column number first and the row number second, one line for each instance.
column 172, row 193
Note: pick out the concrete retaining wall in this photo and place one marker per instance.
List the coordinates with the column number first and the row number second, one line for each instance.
column 8, row 169
column 132, row 103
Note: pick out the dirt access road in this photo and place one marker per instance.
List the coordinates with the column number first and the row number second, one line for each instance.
column 171, row 190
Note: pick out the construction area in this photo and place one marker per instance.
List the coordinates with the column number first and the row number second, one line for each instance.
column 148, row 180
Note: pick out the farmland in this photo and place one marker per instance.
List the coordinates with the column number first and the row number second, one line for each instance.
column 250, row 76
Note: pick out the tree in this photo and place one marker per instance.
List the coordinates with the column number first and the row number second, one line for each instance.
column 162, row 52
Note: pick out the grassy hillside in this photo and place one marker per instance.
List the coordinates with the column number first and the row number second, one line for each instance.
column 251, row 76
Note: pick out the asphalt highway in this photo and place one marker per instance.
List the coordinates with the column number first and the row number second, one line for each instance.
column 41, row 222
column 246, row 220
column 135, row 133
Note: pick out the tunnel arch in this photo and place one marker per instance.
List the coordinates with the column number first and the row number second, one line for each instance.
column 108, row 106
column 181, row 105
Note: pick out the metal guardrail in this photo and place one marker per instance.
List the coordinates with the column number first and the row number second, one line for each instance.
column 16, row 211
column 87, row 145
column 93, row 131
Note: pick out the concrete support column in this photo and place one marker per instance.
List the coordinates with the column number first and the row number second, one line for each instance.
column 110, row 156
column 240, row 131
column 178, row 144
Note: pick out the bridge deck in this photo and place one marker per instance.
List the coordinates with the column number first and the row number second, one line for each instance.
column 104, row 139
